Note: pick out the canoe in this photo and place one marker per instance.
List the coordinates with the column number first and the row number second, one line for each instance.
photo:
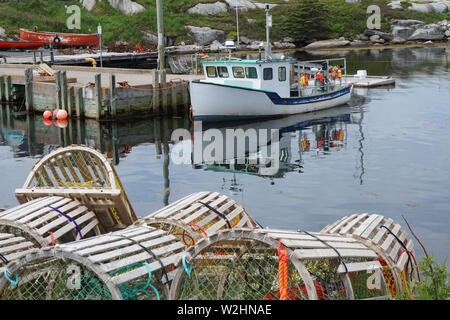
column 65, row 39
column 25, row 45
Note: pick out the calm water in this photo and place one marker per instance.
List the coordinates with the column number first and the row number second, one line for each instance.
column 388, row 152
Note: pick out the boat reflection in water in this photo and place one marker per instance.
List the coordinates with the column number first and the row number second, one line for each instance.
column 319, row 133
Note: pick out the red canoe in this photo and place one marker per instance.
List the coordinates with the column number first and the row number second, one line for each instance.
column 62, row 39
column 25, row 45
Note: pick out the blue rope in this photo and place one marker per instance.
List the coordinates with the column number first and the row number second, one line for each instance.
column 188, row 271
column 5, row 272
column 70, row 219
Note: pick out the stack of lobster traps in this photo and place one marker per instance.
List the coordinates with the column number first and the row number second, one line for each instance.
column 75, row 236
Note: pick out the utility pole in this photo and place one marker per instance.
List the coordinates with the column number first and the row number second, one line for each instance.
column 99, row 31
column 268, row 51
column 161, row 51
column 237, row 23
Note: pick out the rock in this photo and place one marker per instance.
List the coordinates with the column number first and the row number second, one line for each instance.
column 283, row 45
column 358, row 43
column 447, row 33
column 428, row 32
column 383, row 35
column 361, row 37
column 395, row 5
column 332, row 43
column 150, row 38
column 398, row 41
column 402, row 32
column 88, row 4
column 244, row 40
column 2, row 32
column 242, row 5
column 126, row 6
column 439, row 7
column 215, row 46
column 288, row 39
column 406, row 23
column 374, row 38
column 428, row 42
column 209, row 8
column 205, row 35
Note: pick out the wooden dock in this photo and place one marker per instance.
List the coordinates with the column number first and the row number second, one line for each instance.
column 369, row 81
column 96, row 93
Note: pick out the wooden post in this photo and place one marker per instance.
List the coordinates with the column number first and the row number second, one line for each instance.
column 8, row 89
column 29, row 90
column 173, row 98
column 156, row 105
column 185, row 95
column 34, row 57
column 79, row 102
column 164, row 91
column 64, row 90
column 98, row 87
column 157, row 134
column 70, row 99
column 2, row 90
column 41, row 56
column 58, row 89
column 112, row 95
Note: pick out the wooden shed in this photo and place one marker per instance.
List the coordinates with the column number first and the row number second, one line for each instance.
column 136, row 263
column 199, row 215
column 84, row 174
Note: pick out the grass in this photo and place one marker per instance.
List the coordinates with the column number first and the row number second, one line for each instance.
column 344, row 19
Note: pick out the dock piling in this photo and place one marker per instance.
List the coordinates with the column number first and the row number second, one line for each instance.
column 79, row 102
column 99, row 94
column 2, row 90
column 112, row 95
column 156, row 105
column 64, row 90
column 8, row 89
column 58, row 89
column 29, row 90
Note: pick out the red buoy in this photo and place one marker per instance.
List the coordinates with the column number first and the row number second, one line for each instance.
column 61, row 115
column 47, row 114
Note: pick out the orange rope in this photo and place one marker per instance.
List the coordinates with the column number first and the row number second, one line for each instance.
column 283, row 261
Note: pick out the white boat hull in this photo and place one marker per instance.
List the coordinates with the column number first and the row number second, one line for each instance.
column 214, row 102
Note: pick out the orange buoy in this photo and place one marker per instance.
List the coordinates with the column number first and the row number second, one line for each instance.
column 61, row 123
column 48, row 121
column 61, row 115
column 47, row 114
column 55, row 112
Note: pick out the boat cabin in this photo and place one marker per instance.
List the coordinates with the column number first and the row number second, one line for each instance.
column 265, row 75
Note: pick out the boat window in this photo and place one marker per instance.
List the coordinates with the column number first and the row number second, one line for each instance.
column 211, row 72
column 282, row 74
column 223, row 72
column 250, row 72
column 238, row 72
column 267, row 74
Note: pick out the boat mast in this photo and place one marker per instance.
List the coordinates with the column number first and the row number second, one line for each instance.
column 268, row 50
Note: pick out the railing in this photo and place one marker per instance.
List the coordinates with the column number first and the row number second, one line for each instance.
column 313, row 90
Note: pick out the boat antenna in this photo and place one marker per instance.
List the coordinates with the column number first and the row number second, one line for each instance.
column 268, row 50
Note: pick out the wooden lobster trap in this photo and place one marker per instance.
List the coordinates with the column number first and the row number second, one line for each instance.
column 258, row 264
column 44, row 222
column 199, row 215
column 388, row 240
column 136, row 263
column 84, row 174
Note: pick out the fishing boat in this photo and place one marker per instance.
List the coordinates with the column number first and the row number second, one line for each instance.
column 61, row 39
column 20, row 45
column 265, row 87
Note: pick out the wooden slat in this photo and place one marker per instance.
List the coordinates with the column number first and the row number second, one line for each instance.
column 5, row 236
column 20, row 246
column 64, row 221
column 130, row 249
column 143, row 271
column 19, row 207
column 212, row 215
column 401, row 263
column 366, row 233
column 17, row 215
column 53, row 214
column 330, row 253
column 91, row 225
column 301, row 236
column 115, row 242
column 342, row 223
column 63, row 170
column 204, row 209
column 382, row 231
column 71, row 170
column 364, row 225
column 359, row 266
column 141, row 257
column 331, row 226
column 178, row 205
column 317, row 244
column 347, row 228
column 193, row 206
column 390, row 238
column 221, row 223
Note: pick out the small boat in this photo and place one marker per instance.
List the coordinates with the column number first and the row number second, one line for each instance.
column 236, row 89
column 21, row 45
column 62, row 39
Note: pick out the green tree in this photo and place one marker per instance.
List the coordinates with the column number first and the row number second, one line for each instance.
column 306, row 20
